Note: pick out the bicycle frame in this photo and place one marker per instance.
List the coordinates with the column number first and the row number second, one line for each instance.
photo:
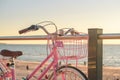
column 53, row 64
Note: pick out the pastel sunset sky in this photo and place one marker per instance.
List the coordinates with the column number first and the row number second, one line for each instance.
column 79, row 14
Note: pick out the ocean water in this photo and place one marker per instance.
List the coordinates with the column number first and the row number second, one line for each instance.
column 33, row 52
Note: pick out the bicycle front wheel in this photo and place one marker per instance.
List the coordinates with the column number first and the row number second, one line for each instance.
column 69, row 73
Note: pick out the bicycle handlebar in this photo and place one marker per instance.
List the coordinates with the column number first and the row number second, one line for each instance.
column 62, row 31
column 37, row 26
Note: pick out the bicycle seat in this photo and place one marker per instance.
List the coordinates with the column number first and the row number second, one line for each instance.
column 8, row 53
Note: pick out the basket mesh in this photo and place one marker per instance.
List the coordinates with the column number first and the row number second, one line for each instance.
column 72, row 49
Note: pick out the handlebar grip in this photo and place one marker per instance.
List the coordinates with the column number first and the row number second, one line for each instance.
column 23, row 31
column 32, row 27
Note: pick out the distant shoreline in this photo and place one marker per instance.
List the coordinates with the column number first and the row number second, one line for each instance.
column 43, row 44
column 2, row 43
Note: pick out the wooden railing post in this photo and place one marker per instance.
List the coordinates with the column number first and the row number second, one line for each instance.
column 95, row 54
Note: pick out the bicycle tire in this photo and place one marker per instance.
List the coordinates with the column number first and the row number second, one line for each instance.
column 69, row 73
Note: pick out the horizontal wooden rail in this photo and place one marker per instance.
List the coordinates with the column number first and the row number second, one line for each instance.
column 43, row 37
column 110, row 36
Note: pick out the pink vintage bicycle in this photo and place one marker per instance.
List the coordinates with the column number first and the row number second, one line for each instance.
column 59, row 49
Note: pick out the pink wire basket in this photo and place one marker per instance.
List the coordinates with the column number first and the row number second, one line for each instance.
column 72, row 49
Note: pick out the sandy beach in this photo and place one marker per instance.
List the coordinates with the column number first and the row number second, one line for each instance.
column 109, row 73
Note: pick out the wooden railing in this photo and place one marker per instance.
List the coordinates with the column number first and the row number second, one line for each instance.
column 95, row 52
column 95, row 48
